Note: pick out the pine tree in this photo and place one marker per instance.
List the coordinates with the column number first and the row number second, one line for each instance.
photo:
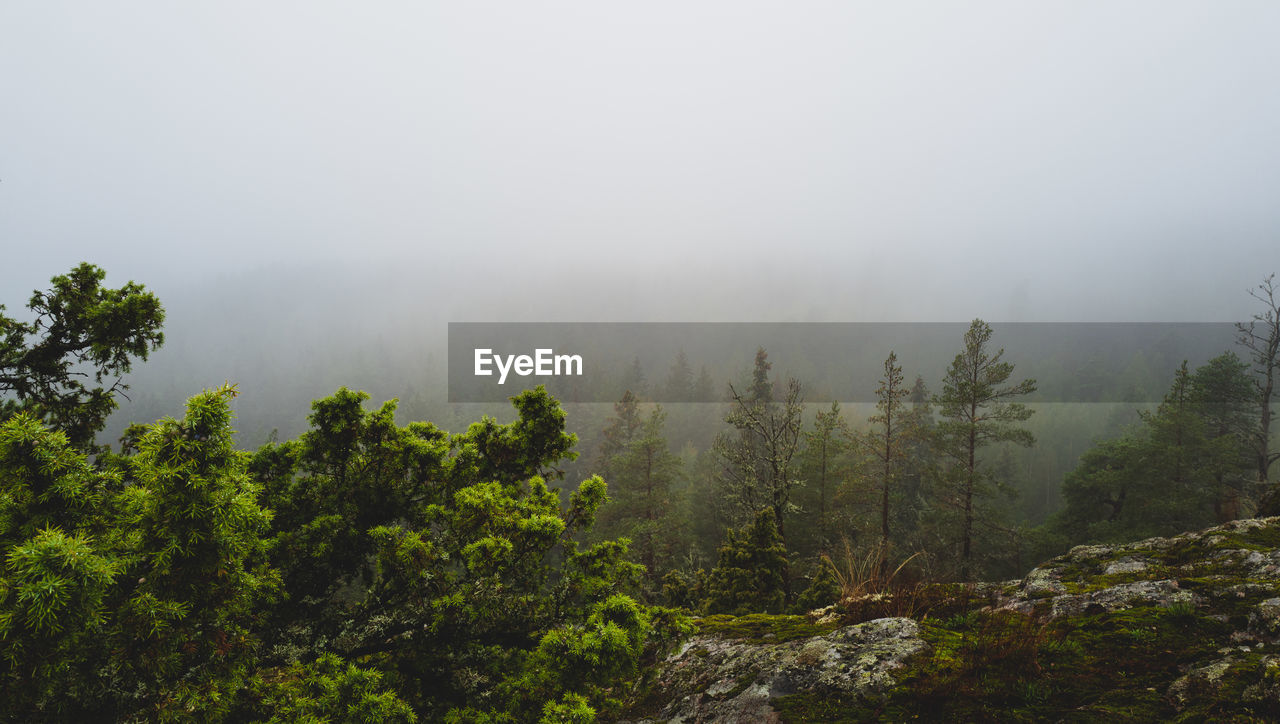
column 619, row 432
column 824, row 468
column 976, row 412
column 79, row 330
column 640, row 479
column 1181, row 468
column 704, row 390
column 1179, row 458
column 1261, row 337
column 757, row 470
column 633, row 379
column 887, row 442
column 1222, row 394
column 679, row 386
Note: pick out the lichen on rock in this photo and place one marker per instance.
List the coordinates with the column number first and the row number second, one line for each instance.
column 720, row 679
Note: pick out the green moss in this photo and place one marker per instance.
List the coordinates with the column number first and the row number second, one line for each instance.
column 989, row 665
column 762, row 627
column 813, row 707
column 739, row 686
column 1009, row 667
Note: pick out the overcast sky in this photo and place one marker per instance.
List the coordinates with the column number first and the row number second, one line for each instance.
column 861, row 160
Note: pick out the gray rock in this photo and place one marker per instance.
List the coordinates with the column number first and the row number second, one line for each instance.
column 1197, row 682
column 1128, row 564
column 1264, row 620
column 1120, row 597
column 717, row 680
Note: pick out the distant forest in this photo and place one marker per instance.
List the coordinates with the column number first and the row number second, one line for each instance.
column 370, row 546
column 1032, row 496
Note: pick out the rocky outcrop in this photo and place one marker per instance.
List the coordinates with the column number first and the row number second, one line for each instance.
column 714, row 679
column 1185, row 627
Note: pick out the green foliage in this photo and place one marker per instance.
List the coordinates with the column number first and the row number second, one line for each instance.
column 450, row 562
column 684, row 589
column 406, row 573
column 887, row 441
column 44, row 482
column 762, row 627
column 825, row 464
column 751, row 573
column 641, row 472
column 977, row 412
column 1185, row 467
column 81, row 330
column 757, row 460
column 326, row 690
column 150, row 603
column 823, row 589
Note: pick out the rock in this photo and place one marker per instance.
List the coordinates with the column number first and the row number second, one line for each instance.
column 1128, row 564
column 1264, row 620
column 717, row 680
column 1043, row 582
column 1198, row 681
column 1183, row 627
column 1120, row 597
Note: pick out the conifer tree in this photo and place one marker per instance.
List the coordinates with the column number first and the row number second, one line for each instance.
column 80, row 330
column 757, row 470
column 977, row 411
column 640, row 479
column 679, row 386
column 750, row 576
column 704, row 390
column 619, row 432
column 1182, row 468
column 1223, row 395
column 887, row 441
column 1261, row 338
column 824, row 467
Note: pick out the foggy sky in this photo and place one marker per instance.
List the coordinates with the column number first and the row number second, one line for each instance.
column 654, row 161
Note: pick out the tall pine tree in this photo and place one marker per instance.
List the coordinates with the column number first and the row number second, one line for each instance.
column 977, row 411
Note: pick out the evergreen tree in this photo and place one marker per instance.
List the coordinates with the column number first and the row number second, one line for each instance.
column 750, row 576
column 80, row 330
column 704, row 390
column 757, row 468
column 474, row 589
column 679, row 385
column 619, row 432
column 976, row 412
column 633, row 380
column 1182, row 468
column 887, row 441
column 824, row 466
column 907, row 518
column 140, row 596
column 640, row 489
column 1222, row 395
column 1261, row 337
column 1179, row 455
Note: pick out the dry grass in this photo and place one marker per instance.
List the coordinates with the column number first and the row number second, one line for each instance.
column 870, row 585
column 867, row 573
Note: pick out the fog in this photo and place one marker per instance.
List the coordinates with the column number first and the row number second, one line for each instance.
column 856, row 160
column 315, row 191
column 295, row 180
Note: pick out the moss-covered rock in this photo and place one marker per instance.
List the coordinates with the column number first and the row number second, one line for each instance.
column 742, row 678
column 1185, row 628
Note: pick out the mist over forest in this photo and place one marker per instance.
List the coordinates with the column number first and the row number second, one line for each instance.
column 234, row 487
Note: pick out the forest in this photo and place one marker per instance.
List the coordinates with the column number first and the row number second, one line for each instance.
column 381, row 567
